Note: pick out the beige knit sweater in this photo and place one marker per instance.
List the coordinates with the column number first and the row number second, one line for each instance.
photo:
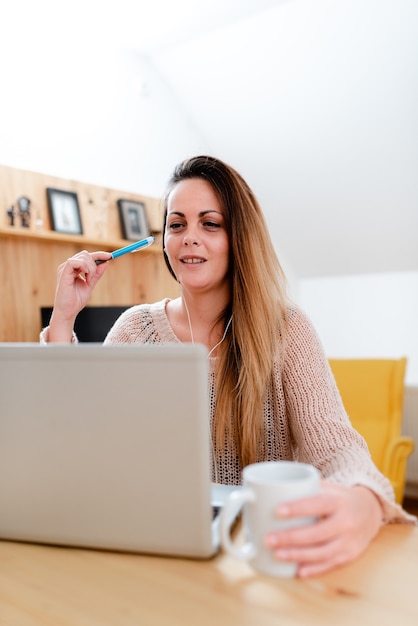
column 304, row 416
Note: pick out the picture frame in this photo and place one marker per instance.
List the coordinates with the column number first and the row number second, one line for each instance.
column 64, row 211
column 134, row 219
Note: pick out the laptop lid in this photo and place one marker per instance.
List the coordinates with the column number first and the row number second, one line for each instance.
column 106, row 447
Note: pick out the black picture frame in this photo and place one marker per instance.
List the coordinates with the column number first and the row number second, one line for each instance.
column 134, row 219
column 64, row 211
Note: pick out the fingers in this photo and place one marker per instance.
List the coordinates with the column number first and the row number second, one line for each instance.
column 76, row 280
column 318, row 532
column 346, row 520
column 101, row 257
column 315, row 506
column 317, row 558
column 83, row 266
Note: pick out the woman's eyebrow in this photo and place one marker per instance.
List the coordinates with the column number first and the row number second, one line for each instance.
column 201, row 214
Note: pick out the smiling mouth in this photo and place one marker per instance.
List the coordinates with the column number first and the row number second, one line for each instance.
column 192, row 261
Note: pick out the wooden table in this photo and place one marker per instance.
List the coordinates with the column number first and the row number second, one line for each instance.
column 50, row 586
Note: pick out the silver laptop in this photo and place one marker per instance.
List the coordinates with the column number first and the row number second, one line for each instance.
column 107, row 447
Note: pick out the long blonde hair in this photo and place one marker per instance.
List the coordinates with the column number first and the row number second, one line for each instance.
column 258, row 304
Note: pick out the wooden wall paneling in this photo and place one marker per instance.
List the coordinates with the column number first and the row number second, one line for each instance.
column 98, row 205
column 28, row 274
column 29, row 258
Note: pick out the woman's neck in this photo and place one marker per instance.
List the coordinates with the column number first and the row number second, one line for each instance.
column 199, row 318
column 204, row 308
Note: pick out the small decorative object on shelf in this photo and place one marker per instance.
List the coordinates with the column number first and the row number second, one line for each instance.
column 134, row 219
column 11, row 215
column 23, row 204
column 64, row 211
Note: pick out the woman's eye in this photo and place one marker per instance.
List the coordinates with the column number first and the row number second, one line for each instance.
column 175, row 225
column 212, row 224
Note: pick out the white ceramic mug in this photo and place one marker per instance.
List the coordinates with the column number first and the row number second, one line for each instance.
column 266, row 485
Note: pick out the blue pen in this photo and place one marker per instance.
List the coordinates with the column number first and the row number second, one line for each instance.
column 133, row 247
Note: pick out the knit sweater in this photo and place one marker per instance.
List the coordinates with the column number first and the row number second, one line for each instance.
column 304, row 417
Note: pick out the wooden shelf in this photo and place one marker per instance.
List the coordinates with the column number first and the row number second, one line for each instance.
column 30, row 257
column 18, row 232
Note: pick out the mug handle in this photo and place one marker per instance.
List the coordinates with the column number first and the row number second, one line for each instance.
column 229, row 512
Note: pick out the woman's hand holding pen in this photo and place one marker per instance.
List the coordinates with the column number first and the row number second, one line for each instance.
column 76, row 279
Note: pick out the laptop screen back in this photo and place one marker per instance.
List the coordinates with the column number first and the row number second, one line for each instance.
column 106, row 447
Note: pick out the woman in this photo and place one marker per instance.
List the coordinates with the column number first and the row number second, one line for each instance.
column 272, row 393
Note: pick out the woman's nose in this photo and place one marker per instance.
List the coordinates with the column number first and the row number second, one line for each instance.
column 190, row 239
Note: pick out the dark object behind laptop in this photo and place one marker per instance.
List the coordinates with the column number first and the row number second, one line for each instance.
column 92, row 323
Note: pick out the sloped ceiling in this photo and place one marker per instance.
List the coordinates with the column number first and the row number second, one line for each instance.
column 316, row 104
column 314, row 101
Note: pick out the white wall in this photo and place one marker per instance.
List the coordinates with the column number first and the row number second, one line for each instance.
column 90, row 113
column 374, row 315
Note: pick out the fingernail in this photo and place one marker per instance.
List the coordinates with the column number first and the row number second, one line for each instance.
column 283, row 510
column 271, row 541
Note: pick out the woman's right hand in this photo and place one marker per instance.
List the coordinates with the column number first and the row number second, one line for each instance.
column 77, row 278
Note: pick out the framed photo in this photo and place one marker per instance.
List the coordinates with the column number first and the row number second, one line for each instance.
column 64, row 211
column 134, row 221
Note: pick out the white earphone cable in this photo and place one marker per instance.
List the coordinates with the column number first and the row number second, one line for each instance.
column 214, row 465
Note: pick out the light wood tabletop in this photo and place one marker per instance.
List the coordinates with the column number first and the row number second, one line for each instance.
column 53, row 586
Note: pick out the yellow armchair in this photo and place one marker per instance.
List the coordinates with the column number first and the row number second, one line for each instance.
column 372, row 391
